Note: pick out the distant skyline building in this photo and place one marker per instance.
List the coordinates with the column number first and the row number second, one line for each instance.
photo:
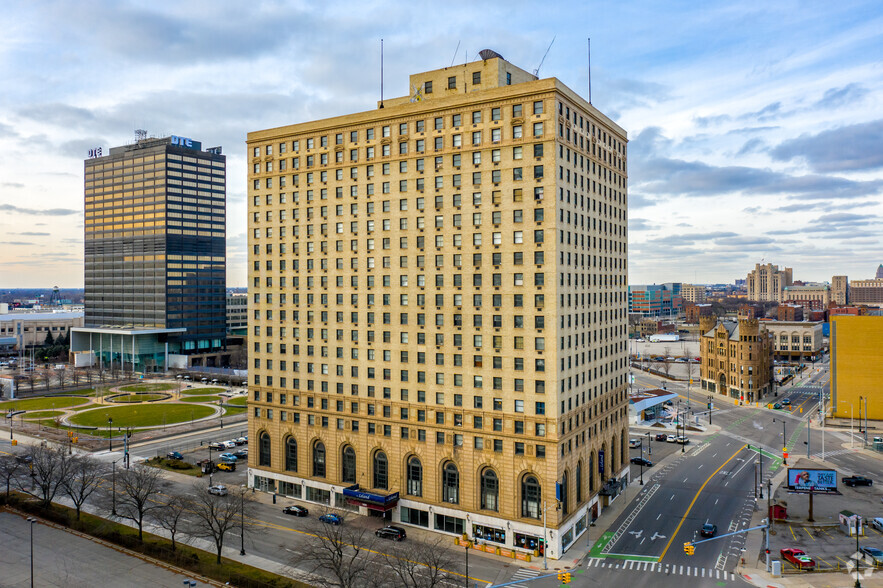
column 155, row 255
column 655, row 300
column 879, row 275
column 439, row 296
column 766, row 282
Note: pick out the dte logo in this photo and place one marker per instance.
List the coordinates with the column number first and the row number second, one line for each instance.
column 182, row 141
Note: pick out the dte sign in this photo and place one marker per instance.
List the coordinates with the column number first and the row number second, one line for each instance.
column 182, row 141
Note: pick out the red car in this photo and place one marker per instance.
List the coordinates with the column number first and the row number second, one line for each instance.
column 798, row 558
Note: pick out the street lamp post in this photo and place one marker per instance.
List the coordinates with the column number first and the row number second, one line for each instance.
column 33, row 521
column 11, row 420
column 242, row 521
column 113, row 490
column 858, row 555
column 642, row 461
column 109, row 438
column 649, row 446
column 467, row 565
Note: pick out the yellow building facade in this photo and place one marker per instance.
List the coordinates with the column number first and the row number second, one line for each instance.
column 438, row 308
column 856, row 366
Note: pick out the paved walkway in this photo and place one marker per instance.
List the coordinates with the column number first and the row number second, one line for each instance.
column 66, row 559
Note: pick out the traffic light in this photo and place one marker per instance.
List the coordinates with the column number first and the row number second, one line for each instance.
column 564, row 577
column 689, row 548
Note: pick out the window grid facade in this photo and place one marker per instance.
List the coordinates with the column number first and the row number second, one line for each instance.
column 404, row 281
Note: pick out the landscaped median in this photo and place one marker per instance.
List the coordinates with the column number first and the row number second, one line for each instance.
column 184, row 556
column 142, row 415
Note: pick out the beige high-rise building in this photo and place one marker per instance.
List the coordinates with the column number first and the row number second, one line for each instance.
column 693, row 293
column 438, row 297
column 840, row 290
column 766, row 282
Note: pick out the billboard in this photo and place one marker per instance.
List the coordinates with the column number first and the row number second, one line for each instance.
column 803, row 480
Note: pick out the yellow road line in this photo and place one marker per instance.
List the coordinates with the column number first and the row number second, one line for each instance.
column 689, row 508
column 790, row 528
column 824, row 562
column 808, row 533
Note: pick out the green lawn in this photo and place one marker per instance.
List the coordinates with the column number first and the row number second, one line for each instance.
column 214, row 398
column 238, row 401
column 142, row 415
column 231, row 410
column 199, row 391
column 148, row 388
column 140, row 398
column 43, row 414
column 41, row 403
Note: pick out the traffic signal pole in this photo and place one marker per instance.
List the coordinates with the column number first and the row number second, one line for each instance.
column 690, row 546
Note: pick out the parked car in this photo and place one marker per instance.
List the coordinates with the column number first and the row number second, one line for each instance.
column 242, row 440
column 227, row 466
column 217, row 445
column 683, row 440
column 798, row 557
column 295, row 510
column 857, row 481
column 174, row 455
column 642, row 461
column 24, row 458
column 661, row 436
column 708, row 530
column 218, row 490
column 331, row 519
column 241, row 454
column 877, row 523
column 672, row 439
column 228, row 457
column 634, row 442
column 230, row 444
column 872, row 555
column 391, row 532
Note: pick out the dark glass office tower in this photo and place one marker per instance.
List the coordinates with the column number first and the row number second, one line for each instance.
column 155, row 235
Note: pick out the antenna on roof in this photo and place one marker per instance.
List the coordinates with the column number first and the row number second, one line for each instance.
column 536, row 72
column 381, row 73
column 457, row 50
column 590, row 70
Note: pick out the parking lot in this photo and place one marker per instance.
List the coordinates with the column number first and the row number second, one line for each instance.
column 823, row 540
column 195, row 454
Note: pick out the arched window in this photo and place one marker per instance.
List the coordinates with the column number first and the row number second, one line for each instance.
column 290, row 454
column 264, row 449
column 592, row 474
column 530, row 497
column 381, row 470
column 451, row 484
column 565, row 502
column 623, row 448
column 415, row 477
column 490, row 490
column 319, row 460
column 349, row 465
column 579, row 481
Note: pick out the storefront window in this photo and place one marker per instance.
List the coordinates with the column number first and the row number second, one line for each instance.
column 488, row 534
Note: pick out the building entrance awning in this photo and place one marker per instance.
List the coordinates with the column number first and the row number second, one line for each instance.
column 380, row 502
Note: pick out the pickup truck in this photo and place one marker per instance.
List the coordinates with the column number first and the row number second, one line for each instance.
column 857, row 481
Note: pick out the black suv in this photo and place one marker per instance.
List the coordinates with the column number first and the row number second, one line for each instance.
column 857, row 481
column 390, row 532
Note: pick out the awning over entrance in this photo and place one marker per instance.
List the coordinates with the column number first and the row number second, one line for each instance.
column 379, row 502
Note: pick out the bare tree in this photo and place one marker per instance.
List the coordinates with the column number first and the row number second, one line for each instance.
column 216, row 516
column 61, row 376
column 10, row 469
column 170, row 516
column 76, row 376
column 83, row 478
column 666, row 366
column 49, row 468
column 342, row 556
column 139, row 488
column 421, row 565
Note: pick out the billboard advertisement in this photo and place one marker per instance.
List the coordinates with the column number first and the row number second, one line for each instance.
column 817, row 480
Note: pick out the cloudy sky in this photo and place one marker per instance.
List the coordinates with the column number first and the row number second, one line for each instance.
column 756, row 128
